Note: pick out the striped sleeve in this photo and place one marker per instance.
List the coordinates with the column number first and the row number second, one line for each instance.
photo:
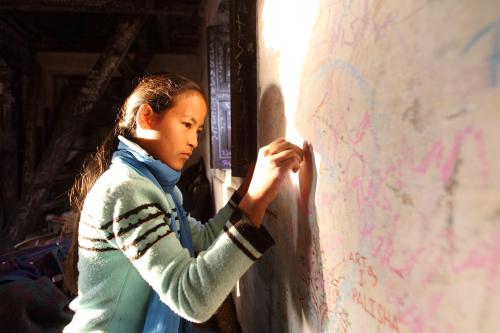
column 133, row 231
column 92, row 238
column 250, row 240
column 192, row 287
column 140, row 228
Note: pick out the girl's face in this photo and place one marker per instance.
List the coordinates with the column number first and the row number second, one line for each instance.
column 178, row 129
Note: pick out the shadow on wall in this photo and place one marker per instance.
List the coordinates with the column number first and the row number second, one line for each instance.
column 291, row 272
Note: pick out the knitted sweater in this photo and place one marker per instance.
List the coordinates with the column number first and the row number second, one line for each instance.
column 126, row 247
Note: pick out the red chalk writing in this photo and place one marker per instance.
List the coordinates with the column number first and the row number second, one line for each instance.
column 376, row 310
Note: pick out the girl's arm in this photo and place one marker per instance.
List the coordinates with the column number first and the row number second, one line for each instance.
column 194, row 288
column 203, row 235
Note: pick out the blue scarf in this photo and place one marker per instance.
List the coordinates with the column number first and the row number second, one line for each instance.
column 159, row 318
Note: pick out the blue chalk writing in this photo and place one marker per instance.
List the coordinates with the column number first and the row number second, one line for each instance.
column 493, row 29
column 363, row 84
column 495, row 60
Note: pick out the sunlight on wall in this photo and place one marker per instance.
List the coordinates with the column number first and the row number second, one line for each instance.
column 288, row 32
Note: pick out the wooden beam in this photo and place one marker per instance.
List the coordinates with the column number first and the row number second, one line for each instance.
column 26, row 212
column 15, row 45
column 157, row 7
column 135, row 67
column 126, row 68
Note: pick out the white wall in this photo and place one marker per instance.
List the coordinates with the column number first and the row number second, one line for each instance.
column 401, row 103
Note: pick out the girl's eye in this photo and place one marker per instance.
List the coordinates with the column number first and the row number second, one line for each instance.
column 187, row 125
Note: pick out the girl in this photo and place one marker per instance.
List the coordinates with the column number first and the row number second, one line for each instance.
column 133, row 238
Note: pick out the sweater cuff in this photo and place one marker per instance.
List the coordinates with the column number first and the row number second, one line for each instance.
column 234, row 201
column 248, row 238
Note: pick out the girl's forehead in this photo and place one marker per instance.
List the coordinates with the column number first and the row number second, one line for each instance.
column 189, row 105
column 190, row 95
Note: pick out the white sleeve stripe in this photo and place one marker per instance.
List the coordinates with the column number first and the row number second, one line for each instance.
column 234, row 232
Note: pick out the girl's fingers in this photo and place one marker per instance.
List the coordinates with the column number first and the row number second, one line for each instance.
column 278, row 158
column 288, row 159
column 292, row 163
column 278, row 146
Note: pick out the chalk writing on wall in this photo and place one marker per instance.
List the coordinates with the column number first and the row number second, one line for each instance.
column 491, row 31
column 404, row 232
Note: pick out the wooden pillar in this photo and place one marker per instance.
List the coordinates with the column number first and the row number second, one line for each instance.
column 242, row 21
column 9, row 143
column 55, row 155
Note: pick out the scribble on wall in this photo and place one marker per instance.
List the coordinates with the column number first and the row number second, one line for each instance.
column 492, row 31
column 401, row 231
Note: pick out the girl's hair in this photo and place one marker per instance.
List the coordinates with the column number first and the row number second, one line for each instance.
column 160, row 91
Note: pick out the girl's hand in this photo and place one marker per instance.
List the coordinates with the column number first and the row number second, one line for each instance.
column 273, row 163
column 307, row 179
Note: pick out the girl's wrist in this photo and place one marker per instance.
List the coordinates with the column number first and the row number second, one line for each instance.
column 253, row 209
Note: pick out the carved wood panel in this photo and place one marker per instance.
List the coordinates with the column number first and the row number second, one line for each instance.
column 220, row 96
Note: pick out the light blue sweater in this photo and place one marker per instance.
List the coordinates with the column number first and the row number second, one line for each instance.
column 126, row 248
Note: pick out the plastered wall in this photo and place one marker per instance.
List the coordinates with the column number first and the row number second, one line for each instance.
column 401, row 102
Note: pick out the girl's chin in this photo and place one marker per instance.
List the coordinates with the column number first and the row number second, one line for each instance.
column 177, row 165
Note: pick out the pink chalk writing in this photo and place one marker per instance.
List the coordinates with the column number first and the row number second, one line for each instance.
column 446, row 164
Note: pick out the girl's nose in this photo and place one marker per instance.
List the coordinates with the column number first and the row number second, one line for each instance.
column 193, row 140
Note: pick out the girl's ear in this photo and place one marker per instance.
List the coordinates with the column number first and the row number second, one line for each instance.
column 145, row 117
